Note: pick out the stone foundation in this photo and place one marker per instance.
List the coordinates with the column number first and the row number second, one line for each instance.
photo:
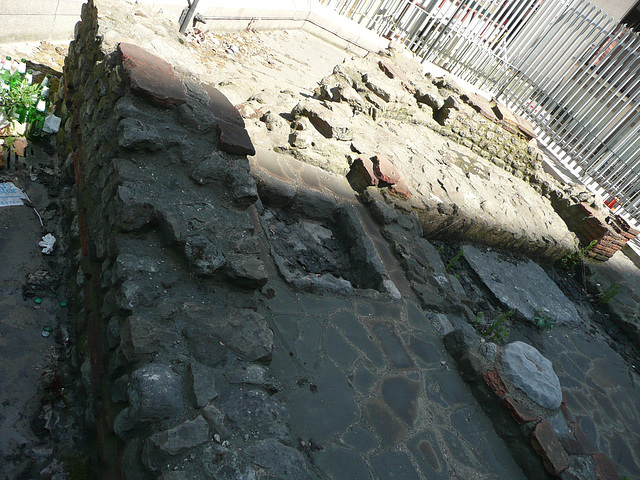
column 175, row 354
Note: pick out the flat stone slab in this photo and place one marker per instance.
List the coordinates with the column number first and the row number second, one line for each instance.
column 532, row 373
column 521, row 285
column 151, row 77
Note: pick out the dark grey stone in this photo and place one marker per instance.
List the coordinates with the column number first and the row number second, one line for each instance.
column 253, row 374
column 132, row 133
column 339, row 349
column 210, row 334
column 307, row 346
column 142, row 337
column 204, row 388
column 388, row 427
column 204, row 343
column 360, row 439
column 392, row 345
column 314, row 205
column 532, row 373
column 426, row 451
column 211, row 170
column 278, row 460
column 216, row 420
column 243, row 186
column 175, row 441
column 257, row 414
column 428, row 352
column 275, row 192
column 155, row 393
column 246, row 271
column 135, row 293
column 401, row 395
column 131, row 466
column 204, row 256
column 521, row 285
column 325, row 410
column 363, row 379
column 342, row 464
column 393, row 464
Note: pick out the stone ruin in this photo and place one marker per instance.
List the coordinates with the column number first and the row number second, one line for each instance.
column 167, row 215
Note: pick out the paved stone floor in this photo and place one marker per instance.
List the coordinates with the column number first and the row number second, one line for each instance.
column 370, row 384
column 369, row 380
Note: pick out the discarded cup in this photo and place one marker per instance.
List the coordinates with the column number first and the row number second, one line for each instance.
column 46, row 331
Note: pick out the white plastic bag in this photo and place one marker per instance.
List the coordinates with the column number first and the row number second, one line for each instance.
column 47, row 243
column 51, row 124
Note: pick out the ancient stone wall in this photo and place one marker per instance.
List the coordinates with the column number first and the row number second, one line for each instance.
column 167, row 264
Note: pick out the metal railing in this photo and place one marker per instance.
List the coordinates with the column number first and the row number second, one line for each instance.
column 566, row 65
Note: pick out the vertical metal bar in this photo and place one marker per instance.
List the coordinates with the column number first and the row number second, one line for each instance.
column 435, row 42
column 617, row 77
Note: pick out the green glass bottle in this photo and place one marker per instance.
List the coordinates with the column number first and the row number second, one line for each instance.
column 36, row 119
column 19, row 74
column 5, row 74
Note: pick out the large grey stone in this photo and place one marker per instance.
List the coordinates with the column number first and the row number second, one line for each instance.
column 532, row 373
column 204, row 388
column 279, row 461
column 521, row 285
column 174, row 441
column 155, row 393
column 256, row 413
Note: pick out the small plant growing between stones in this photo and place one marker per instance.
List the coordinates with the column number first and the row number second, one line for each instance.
column 572, row 260
column 496, row 331
column 543, row 321
column 452, row 263
column 609, row 294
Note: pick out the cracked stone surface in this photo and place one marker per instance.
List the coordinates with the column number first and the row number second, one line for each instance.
column 294, row 381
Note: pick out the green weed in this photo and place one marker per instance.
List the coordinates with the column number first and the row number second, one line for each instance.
column 496, row 331
column 608, row 295
column 452, row 263
column 572, row 260
column 543, row 321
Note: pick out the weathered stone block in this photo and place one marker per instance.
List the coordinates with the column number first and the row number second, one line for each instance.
column 546, row 444
column 532, row 373
column 258, row 414
column 155, row 393
column 161, row 446
column 385, row 170
column 150, row 77
column 235, row 139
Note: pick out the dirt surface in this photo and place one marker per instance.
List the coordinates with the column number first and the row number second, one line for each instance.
column 39, row 432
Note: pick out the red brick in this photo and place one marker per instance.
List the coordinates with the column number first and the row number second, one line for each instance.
column 481, row 105
column 400, row 189
column 150, row 77
column 362, row 173
column 235, row 139
column 546, row 444
column 221, row 107
column 385, row 170
column 519, row 413
column 493, row 380
column 393, row 71
column 582, row 438
column 605, row 468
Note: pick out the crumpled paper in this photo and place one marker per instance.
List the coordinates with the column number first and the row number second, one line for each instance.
column 47, row 243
